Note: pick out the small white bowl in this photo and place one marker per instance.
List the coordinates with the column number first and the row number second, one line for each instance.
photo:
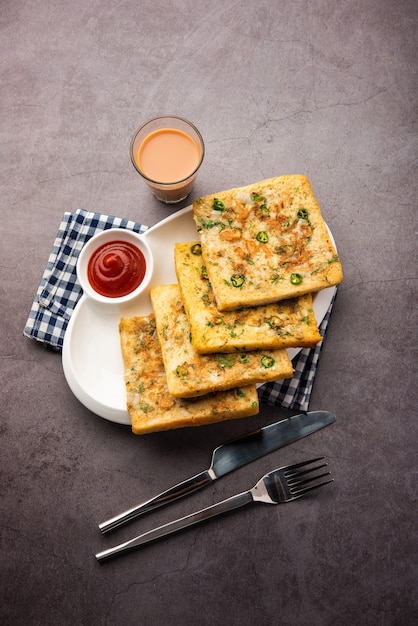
column 113, row 234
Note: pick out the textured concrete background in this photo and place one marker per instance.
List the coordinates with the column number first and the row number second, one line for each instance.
column 323, row 88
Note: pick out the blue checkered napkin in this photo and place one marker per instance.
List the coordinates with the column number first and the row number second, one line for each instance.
column 59, row 290
column 295, row 393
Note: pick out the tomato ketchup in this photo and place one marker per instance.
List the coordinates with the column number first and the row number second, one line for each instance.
column 116, row 269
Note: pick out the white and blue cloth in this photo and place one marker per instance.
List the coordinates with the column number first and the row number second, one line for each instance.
column 59, row 292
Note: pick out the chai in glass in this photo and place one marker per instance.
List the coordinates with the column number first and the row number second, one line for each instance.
column 168, row 152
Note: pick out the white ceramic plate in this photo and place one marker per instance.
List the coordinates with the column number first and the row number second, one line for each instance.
column 91, row 355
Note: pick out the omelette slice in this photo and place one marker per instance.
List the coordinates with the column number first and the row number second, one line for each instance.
column 191, row 374
column 149, row 403
column 285, row 324
column 265, row 242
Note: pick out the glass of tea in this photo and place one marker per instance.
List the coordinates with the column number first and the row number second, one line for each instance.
column 167, row 152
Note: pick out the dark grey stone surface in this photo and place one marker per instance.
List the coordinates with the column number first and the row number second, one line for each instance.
column 323, row 88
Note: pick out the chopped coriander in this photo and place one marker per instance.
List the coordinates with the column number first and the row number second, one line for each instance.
column 226, row 361
column 181, row 371
column 145, row 407
column 276, row 278
column 257, row 197
column 209, row 224
column 263, row 206
column 286, row 248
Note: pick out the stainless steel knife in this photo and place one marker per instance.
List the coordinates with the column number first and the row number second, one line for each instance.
column 230, row 456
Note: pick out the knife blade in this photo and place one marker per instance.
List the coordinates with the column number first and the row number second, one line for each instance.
column 230, row 456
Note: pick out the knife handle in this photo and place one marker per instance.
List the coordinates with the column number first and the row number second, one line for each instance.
column 234, row 502
column 178, row 491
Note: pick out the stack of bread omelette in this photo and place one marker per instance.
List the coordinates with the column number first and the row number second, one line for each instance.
column 243, row 297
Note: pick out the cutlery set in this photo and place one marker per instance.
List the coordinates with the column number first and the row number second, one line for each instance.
column 284, row 484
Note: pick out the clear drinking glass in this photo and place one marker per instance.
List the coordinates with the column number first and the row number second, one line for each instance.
column 167, row 152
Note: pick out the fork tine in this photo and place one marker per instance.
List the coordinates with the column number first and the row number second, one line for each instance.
column 298, row 481
column 295, row 483
column 294, row 475
column 301, row 492
column 290, row 468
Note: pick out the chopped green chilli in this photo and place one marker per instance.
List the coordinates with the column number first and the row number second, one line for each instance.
column 262, row 236
column 274, row 321
column 237, row 280
column 303, row 214
column 295, row 279
column 218, row 205
column 267, row 361
column 196, row 249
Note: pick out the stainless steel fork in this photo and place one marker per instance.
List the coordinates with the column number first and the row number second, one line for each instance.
column 281, row 485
